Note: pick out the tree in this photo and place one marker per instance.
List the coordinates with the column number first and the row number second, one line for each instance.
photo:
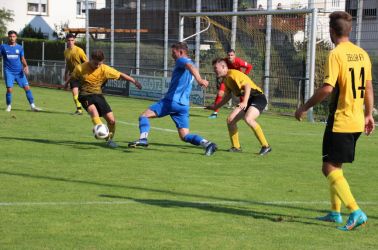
column 31, row 32
column 5, row 17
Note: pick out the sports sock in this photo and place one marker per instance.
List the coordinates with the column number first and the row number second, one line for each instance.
column 76, row 101
column 96, row 120
column 144, row 127
column 8, row 98
column 218, row 99
column 341, row 188
column 29, row 96
column 193, row 139
column 335, row 200
column 111, row 130
column 234, row 137
column 260, row 135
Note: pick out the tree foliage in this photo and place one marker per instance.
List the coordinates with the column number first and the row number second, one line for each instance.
column 5, row 17
column 31, row 32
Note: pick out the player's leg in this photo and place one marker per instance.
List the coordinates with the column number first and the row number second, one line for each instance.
column 9, row 78
column 109, row 117
column 256, row 105
column 232, row 120
column 74, row 84
column 23, row 83
column 218, row 99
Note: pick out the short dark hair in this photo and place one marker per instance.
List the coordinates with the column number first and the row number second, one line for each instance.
column 98, row 55
column 341, row 23
column 70, row 35
column 180, row 46
column 218, row 60
column 11, row 32
column 230, row 50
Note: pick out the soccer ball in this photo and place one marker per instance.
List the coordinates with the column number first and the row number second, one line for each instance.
column 100, row 131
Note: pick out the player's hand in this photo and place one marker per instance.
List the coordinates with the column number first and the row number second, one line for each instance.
column 299, row 113
column 369, row 125
column 204, row 83
column 138, row 85
column 26, row 70
column 242, row 105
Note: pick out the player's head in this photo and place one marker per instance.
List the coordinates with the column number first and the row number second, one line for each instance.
column 179, row 49
column 70, row 39
column 231, row 55
column 340, row 24
column 220, row 67
column 12, row 36
column 97, row 58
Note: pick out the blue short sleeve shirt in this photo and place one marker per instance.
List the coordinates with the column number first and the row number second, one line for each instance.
column 12, row 57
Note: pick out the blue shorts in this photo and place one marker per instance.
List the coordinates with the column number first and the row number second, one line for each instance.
column 19, row 77
column 178, row 112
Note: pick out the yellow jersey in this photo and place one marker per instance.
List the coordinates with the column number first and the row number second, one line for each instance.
column 74, row 56
column 347, row 69
column 91, row 80
column 235, row 82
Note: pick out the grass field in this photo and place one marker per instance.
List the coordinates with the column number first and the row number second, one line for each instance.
column 62, row 189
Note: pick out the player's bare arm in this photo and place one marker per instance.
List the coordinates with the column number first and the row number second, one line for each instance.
column 194, row 71
column 225, row 99
column 247, row 91
column 131, row 79
column 25, row 65
column 319, row 96
column 369, row 104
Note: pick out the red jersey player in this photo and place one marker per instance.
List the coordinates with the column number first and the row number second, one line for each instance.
column 233, row 62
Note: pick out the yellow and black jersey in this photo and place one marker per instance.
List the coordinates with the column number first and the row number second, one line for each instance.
column 74, row 56
column 236, row 80
column 91, row 80
column 347, row 69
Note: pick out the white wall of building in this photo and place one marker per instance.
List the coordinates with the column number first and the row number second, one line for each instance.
column 58, row 12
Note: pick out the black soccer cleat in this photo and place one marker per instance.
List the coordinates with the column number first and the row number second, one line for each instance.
column 235, row 150
column 138, row 143
column 265, row 150
column 210, row 149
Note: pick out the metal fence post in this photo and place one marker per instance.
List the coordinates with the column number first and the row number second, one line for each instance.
column 137, row 56
column 112, row 33
column 166, row 10
column 198, row 36
column 86, row 28
column 268, row 41
column 360, row 8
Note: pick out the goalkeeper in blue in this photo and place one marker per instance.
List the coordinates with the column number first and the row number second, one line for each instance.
column 176, row 102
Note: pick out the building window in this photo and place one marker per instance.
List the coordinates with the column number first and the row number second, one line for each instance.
column 80, row 7
column 335, row 3
column 37, row 7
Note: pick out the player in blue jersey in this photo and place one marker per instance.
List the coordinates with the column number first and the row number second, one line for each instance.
column 15, row 68
column 176, row 102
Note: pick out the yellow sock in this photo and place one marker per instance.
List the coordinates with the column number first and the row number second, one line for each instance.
column 234, row 137
column 260, row 135
column 335, row 200
column 341, row 188
column 111, row 130
column 76, row 101
column 96, row 120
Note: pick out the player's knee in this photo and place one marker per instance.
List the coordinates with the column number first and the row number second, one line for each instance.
column 9, row 90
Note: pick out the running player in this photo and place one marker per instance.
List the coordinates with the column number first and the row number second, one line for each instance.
column 233, row 62
column 73, row 55
column 91, row 76
column 249, row 108
column 348, row 79
column 15, row 68
column 176, row 102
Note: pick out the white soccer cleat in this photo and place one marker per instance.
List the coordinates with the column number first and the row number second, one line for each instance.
column 111, row 144
column 36, row 109
column 9, row 108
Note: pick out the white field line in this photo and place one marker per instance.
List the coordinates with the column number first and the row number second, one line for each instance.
column 158, row 202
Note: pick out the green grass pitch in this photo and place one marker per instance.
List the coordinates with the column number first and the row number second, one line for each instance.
column 62, row 189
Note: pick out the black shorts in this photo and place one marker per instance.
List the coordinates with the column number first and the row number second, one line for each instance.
column 258, row 101
column 96, row 99
column 74, row 83
column 339, row 147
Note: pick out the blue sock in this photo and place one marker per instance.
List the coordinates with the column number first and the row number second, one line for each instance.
column 29, row 95
column 8, row 98
column 193, row 139
column 144, row 124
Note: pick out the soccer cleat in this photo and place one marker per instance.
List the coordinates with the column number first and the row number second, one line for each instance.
column 138, row 143
column 210, row 149
column 36, row 109
column 78, row 112
column 213, row 116
column 356, row 219
column 265, row 150
column 111, row 144
column 331, row 217
column 9, row 108
column 235, row 150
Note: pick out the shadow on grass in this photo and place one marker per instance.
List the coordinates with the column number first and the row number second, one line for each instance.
column 219, row 208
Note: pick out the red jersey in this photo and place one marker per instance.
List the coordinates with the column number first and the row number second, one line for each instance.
column 238, row 64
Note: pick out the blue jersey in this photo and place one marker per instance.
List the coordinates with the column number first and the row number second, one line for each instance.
column 181, row 82
column 12, row 57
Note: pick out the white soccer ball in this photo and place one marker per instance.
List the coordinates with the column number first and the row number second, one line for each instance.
column 100, row 131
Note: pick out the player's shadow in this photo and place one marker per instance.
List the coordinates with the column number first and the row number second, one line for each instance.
column 74, row 144
column 183, row 148
column 218, row 208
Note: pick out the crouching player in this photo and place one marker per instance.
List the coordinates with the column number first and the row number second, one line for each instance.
column 91, row 76
column 249, row 109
